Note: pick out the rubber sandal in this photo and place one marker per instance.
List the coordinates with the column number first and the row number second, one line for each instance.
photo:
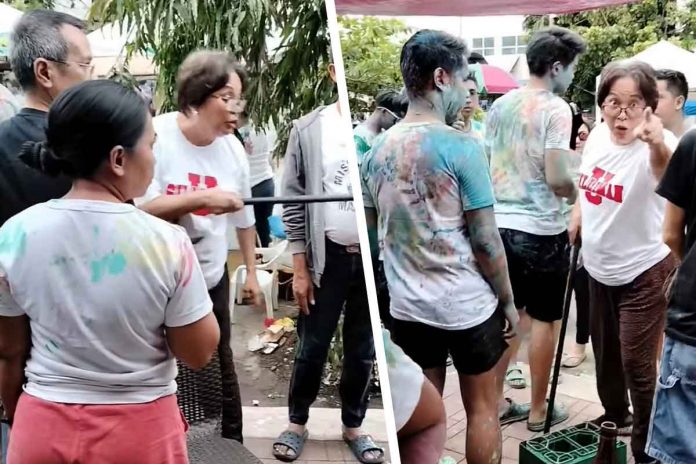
column 572, row 361
column 361, row 445
column 291, row 440
column 515, row 379
column 514, row 412
column 559, row 415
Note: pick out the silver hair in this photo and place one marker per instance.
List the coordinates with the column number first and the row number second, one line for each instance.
column 38, row 35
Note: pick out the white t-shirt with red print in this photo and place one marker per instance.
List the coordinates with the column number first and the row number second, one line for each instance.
column 621, row 213
column 182, row 167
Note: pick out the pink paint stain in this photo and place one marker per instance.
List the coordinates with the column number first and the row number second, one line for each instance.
column 187, row 257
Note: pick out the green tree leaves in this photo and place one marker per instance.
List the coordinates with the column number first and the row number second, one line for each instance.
column 371, row 51
column 286, row 81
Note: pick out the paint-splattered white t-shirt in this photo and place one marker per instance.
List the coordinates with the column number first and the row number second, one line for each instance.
column 521, row 127
column 99, row 283
column 422, row 178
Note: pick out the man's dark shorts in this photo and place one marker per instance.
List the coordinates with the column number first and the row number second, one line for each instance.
column 538, row 267
column 474, row 351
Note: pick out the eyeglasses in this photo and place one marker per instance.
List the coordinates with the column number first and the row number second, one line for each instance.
column 232, row 104
column 89, row 67
column 614, row 110
column 396, row 118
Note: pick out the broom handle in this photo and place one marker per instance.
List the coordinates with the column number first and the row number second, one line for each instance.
column 297, row 200
column 574, row 253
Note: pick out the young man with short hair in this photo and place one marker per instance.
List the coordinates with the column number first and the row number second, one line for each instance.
column 467, row 123
column 390, row 108
column 528, row 134
column 427, row 188
column 674, row 91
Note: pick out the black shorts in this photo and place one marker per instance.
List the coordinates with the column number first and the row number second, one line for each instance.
column 474, row 351
column 538, row 267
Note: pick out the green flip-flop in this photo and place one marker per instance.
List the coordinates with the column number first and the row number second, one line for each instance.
column 361, row 445
column 292, row 441
column 515, row 378
column 514, row 413
column 559, row 415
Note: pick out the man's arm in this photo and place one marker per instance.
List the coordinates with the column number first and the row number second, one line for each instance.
column 557, row 149
column 673, row 229
column 558, row 176
column 489, row 251
column 471, row 170
column 371, row 220
column 294, row 219
column 14, row 351
column 294, row 184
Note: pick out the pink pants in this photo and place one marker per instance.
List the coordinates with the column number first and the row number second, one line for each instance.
column 55, row 433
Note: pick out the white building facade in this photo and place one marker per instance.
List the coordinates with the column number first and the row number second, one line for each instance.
column 502, row 40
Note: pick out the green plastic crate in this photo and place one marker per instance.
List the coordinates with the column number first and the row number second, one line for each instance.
column 574, row 445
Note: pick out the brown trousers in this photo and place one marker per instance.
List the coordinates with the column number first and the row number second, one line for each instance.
column 626, row 325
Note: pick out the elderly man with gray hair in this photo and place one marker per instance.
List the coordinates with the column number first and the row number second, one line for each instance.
column 49, row 53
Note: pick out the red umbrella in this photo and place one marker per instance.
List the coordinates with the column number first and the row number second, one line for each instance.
column 469, row 7
column 493, row 80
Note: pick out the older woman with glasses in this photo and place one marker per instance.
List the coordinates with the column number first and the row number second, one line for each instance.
column 200, row 175
column 623, row 160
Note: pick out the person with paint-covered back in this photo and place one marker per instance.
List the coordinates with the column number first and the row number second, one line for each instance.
column 110, row 294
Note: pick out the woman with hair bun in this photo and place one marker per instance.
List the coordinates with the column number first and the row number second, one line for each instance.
column 110, row 294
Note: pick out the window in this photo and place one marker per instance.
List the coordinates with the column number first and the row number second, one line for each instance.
column 484, row 45
column 514, row 45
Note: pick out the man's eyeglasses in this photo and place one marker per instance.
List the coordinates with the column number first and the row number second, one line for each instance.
column 614, row 110
column 396, row 118
column 233, row 104
column 89, row 67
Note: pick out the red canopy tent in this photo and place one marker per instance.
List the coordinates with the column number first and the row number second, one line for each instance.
column 469, row 7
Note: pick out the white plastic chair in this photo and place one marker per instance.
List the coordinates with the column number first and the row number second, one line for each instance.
column 267, row 275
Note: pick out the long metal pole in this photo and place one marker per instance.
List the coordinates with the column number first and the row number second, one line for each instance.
column 574, row 253
column 297, row 200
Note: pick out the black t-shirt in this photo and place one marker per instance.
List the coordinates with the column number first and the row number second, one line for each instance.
column 20, row 185
column 678, row 186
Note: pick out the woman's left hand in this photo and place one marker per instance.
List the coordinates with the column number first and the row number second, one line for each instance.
column 650, row 129
column 251, row 289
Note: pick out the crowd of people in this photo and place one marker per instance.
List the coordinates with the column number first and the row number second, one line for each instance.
column 473, row 224
column 114, row 229
column 114, row 247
